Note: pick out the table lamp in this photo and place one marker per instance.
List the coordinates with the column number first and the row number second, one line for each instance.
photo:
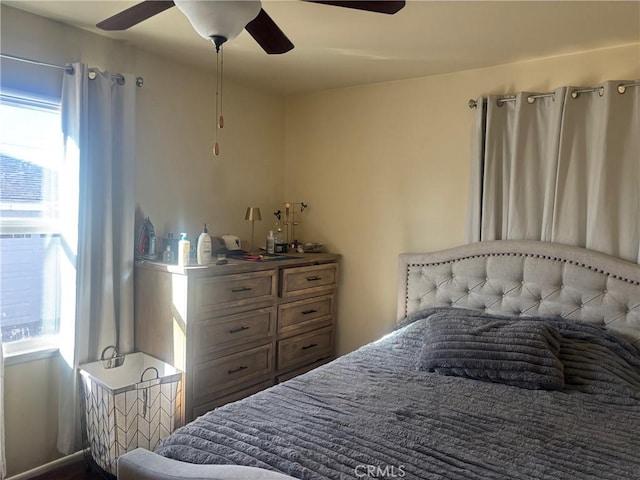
column 253, row 214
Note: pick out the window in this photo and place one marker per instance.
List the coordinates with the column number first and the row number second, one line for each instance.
column 31, row 159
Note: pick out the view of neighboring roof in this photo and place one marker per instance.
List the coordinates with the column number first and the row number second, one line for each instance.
column 20, row 181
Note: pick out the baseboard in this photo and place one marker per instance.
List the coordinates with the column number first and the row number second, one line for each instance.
column 48, row 467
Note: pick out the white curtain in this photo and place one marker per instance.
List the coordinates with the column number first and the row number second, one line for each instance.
column 3, row 460
column 600, row 166
column 98, row 117
column 474, row 208
column 561, row 167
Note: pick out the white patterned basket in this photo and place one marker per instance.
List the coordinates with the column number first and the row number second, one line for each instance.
column 134, row 404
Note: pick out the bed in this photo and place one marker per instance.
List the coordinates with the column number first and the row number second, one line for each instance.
column 511, row 359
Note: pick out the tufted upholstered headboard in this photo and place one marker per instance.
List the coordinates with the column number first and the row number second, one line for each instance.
column 525, row 278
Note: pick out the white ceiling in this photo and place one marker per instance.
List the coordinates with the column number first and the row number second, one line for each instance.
column 337, row 47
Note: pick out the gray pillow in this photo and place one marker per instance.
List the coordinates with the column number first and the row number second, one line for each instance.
column 597, row 360
column 523, row 353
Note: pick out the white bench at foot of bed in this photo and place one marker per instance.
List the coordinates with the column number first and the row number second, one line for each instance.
column 141, row 464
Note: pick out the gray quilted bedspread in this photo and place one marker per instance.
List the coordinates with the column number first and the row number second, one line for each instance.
column 373, row 414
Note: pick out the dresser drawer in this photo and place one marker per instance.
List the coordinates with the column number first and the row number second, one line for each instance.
column 305, row 314
column 307, row 280
column 215, row 334
column 225, row 372
column 305, row 348
column 234, row 290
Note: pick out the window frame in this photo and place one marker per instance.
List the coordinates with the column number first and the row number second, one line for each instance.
column 48, row 345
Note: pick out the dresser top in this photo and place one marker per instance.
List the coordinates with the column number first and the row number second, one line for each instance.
column 236, row 265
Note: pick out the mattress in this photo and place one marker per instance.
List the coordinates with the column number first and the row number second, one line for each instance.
column 376, row 413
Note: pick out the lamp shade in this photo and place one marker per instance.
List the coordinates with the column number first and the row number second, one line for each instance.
column 219, row 17
column 253, row 214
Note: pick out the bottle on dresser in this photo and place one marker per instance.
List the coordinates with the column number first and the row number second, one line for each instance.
column 167, row 255
column 271, row 243
column 184, row 250
column 203, row 251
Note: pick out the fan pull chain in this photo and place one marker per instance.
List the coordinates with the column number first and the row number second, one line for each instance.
column 216, row 145
column 218, row 41
column 221, row 118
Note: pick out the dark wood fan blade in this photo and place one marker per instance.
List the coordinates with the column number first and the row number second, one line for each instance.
column 379, row 6
column 134, row 15
column 268, row 35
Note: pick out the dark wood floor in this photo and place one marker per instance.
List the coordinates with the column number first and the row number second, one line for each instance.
column 75, row 471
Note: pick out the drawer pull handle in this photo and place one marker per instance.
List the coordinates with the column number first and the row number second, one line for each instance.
column 311, row 345
column 239, row 329
column 307, row 312
column 241, row 289
column 313, row 279
column 236, row 370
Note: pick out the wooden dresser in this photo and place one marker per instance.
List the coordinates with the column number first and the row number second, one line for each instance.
column 236, row 329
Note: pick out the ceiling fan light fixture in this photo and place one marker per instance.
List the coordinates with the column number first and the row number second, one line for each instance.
column 219, row 18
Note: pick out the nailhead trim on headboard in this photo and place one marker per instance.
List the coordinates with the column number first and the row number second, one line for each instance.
column 538, row 288
column 532, row 255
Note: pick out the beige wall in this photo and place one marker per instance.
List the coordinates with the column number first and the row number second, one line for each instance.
column 31, row 426
column 384, row 169
column 179, row 183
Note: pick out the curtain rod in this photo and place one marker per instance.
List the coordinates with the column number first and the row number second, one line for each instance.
column 67, row 68
column 574, row 94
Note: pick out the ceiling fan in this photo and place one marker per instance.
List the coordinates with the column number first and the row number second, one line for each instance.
column 222, row 20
